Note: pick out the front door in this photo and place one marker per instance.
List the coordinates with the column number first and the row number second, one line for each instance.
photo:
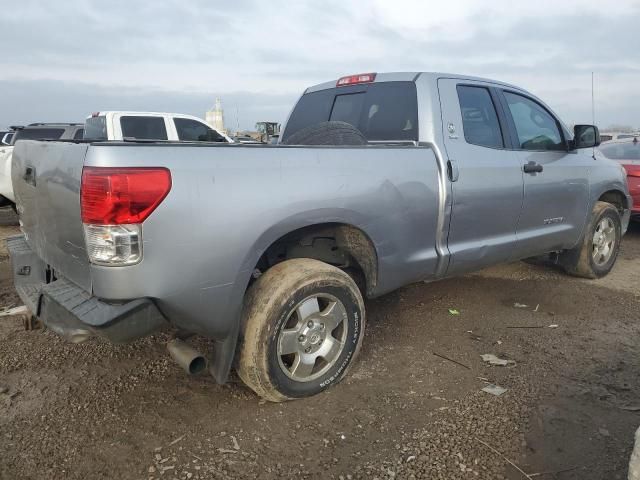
column 486, row 177
column 556, row 186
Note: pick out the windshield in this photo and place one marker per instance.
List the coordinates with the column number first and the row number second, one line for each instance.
column 381, row 111
column 95, row 128
column 622, row 151
column 38, row 134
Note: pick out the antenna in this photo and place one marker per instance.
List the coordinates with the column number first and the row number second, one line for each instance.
column 593, row 103
column 237, row 120
column 593, row 114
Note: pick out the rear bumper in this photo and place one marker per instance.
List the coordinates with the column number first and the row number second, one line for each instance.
column 72, row 312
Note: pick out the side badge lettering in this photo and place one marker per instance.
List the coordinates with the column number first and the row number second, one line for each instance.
column 452, row 130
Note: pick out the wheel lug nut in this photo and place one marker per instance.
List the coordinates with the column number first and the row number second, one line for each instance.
column 307, row 350
column 301, row 338
column 322, row 326
column 309, row 324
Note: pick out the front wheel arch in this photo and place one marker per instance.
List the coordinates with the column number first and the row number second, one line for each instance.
column 579, row 261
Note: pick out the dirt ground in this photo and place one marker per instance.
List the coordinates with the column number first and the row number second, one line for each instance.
column 571, row 407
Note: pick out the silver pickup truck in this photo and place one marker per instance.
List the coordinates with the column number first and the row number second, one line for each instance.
column 380, row 180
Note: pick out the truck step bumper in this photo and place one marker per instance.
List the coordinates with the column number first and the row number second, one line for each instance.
column 71, row 311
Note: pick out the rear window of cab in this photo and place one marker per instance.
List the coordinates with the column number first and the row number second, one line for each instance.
column 386, row 111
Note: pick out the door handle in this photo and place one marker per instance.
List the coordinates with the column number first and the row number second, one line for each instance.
column 532, row 167
column 452, row 170
column 30, row 176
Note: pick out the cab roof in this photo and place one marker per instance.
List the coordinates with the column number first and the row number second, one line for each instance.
column 410, row 77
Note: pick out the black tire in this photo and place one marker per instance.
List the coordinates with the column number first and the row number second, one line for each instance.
column 579, row 261
column 271, row 305
column 327, row 133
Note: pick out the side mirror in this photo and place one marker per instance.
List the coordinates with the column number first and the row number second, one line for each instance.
column 585, row 136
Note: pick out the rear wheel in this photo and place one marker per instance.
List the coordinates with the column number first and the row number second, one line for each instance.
column 596, row 254
column 303, row 326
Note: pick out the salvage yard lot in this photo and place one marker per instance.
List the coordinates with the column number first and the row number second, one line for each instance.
column 97, row 410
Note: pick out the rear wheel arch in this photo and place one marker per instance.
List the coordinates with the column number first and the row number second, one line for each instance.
column 343, row 245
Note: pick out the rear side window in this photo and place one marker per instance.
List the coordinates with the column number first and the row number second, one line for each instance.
column 39, row 134
column 192, row 131
column 143, row 128
column 381, row 111
column 95, row 128
column 479, row 118
column 536, row 128
column 79, row 135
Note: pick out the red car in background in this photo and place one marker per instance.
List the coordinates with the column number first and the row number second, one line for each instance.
column 627, row 152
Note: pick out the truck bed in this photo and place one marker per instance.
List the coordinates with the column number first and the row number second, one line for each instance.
column 227, row 204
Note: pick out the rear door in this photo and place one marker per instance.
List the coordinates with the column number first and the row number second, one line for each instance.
column 486, row 177
column 556, row 185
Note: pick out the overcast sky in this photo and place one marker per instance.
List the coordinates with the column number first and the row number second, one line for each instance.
column 64, row 60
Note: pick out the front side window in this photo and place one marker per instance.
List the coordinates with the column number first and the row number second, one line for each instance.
column 143, row 128
column 479, row 118
column 193, row 131
column 535, row 127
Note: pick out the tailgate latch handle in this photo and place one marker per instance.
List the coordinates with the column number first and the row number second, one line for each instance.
column 30, row 176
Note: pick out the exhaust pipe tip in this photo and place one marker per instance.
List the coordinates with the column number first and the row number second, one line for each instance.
column 191, row 361
column 197, row 365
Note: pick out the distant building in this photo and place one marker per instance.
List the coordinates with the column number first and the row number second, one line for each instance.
column 215, row 117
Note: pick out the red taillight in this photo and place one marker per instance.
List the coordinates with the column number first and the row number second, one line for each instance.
column 118, row 196
column 355, row 79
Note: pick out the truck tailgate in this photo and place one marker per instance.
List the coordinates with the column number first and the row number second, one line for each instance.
column 46, row 181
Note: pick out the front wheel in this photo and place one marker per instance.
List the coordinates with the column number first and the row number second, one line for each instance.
column 303, row 324
column 596, row 253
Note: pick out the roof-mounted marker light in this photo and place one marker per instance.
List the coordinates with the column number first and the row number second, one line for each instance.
column 356, row 79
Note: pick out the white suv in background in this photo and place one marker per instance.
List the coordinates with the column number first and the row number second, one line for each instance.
column 122, row 126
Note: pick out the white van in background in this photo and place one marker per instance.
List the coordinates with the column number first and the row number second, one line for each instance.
column 122, row 126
